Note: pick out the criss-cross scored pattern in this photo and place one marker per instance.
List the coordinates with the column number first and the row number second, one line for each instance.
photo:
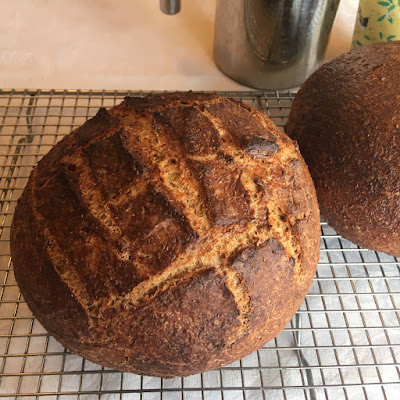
column 343, row 344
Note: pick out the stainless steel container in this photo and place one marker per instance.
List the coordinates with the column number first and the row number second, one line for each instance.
column 272, row 44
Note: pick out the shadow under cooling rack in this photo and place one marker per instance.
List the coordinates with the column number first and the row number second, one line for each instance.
column 344, row 342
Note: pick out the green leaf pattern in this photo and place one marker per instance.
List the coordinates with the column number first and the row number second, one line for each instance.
column 387, row 15
column 390, row 7
column 382, row 37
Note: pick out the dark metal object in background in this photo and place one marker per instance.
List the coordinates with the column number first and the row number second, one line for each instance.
column 274, row 44
column 170, row 7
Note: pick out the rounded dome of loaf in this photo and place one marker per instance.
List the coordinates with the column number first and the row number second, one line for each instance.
column 346, row 119
column 167, row 236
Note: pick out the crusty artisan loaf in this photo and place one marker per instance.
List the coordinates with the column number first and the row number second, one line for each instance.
column 346, row 119
column 169, row 235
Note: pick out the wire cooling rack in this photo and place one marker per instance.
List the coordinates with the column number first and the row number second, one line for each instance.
column 344, row 342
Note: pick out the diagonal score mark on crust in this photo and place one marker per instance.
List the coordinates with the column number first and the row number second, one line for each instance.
column 96, row 205
column 59, row 262
column 93, row 200
column 256, row 196
column 233, row 238
column 285, row 155
column 288, row 238
column 90, row 194
column 268, row 209
column 287, row 158
column 281, row 227
column 237, row 285
column 175, row 180
column 209, row 249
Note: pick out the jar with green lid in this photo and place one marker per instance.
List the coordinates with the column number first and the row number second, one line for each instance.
column 377, row 21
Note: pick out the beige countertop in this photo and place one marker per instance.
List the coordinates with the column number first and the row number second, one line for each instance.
column 123, row 44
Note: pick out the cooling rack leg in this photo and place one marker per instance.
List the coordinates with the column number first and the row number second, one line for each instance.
column 304, row 362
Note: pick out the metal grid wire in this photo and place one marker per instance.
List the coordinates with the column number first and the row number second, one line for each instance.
column 344, row 342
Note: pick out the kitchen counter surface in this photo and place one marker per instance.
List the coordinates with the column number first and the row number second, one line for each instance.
column 125, row 44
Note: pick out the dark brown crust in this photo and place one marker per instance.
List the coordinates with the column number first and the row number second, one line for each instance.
column 346, row 119
column 167, row 236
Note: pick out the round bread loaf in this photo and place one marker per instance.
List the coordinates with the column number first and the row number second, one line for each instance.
column 346, row 119
column 169, row 235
